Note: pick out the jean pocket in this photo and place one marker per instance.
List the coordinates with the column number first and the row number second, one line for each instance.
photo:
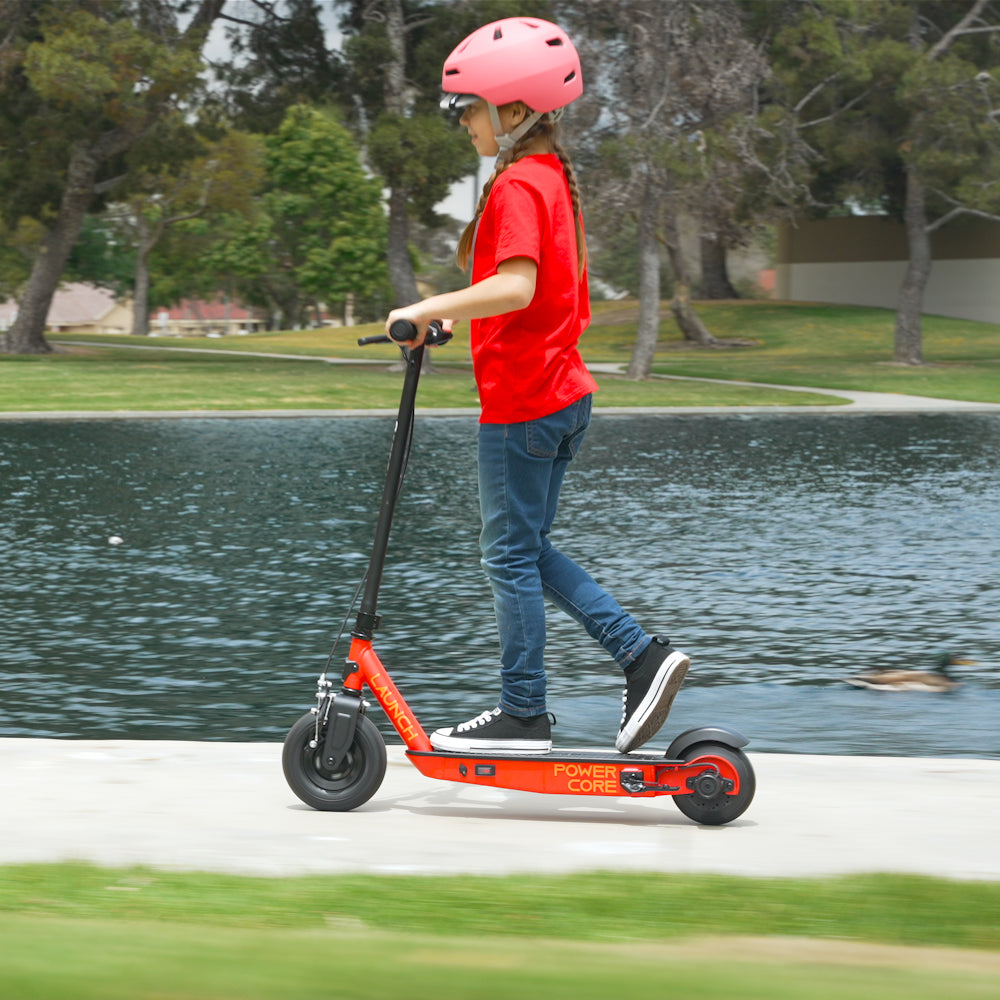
column 541, row 438
column 559, row 433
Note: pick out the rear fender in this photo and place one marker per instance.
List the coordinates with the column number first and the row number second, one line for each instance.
column 705, row 734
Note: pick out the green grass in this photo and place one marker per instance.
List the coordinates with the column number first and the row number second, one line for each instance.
column 829, row 347
column 78, row 931
column 890, row 909
column 844, row 347
column 55, row 960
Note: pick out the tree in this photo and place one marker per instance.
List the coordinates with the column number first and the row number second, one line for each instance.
column 394, row 50
column 101, row 256
column 87, row 81
column 675, row 84
column 222, row 179
column 317, row 233
column 901, row 99
column 279, row 58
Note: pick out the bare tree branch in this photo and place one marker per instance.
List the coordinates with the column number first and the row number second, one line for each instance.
column 830, row 117
column 962, row 28
column 957, row 210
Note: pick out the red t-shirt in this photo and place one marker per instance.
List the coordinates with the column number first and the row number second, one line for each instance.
column 526, row 362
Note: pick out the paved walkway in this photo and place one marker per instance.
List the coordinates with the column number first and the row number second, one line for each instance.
column 867, row 402
column 226, row 807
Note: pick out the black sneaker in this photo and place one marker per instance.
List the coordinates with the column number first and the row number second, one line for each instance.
column 497, row 732
column 650, row 687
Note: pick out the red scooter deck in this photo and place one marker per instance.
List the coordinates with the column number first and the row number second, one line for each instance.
column 577, row 772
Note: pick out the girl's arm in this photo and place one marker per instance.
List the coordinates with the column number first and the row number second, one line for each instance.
column 510, row 289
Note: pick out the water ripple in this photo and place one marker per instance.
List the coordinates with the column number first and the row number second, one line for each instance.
column 782, row 551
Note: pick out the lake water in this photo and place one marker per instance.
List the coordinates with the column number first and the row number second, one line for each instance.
column 783, row 552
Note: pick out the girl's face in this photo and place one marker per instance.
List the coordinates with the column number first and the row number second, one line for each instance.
column 476, row 118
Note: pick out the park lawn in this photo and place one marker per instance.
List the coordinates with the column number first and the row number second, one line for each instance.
column 829, row 347
column 112, row 378
column 842, row 347
column 78, row 931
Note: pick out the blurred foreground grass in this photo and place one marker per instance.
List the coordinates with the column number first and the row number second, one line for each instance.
column 77, row 931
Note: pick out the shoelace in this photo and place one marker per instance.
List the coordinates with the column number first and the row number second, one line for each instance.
column 479, row 720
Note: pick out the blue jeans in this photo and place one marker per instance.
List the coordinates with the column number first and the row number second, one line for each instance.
column 521, row 470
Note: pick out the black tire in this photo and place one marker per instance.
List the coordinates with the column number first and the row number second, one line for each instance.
column 718, row 808
column 355, row 780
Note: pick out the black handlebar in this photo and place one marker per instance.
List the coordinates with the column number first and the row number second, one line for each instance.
column 402, row 331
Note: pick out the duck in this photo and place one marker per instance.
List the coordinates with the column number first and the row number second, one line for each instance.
column 936, row 681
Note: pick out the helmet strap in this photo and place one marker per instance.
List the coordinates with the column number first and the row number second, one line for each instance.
column 506, row 140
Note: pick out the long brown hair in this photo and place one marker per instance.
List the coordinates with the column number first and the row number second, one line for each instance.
column 547, row 129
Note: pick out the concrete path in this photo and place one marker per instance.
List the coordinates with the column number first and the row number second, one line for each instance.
column 866, row 402
column 226, row 807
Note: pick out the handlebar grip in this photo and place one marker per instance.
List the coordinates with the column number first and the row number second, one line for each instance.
column 403, row 329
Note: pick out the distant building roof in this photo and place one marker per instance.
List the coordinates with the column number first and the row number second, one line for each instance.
column 207, row 311
column 77, row 303
column 74, row 303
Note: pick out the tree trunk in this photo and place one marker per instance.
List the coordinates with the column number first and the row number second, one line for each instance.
column 684, row 315
column 140, row 302
column 715, row 283
column 397, row 101
column 649, row 290
column 909, row 330
column 27, row 334
column 401, row 276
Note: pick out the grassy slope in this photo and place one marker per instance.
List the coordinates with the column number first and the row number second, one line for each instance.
column 792, row 344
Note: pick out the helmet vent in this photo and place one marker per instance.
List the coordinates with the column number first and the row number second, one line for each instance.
column 569, row 76
column 553, row 41
column 497, row 34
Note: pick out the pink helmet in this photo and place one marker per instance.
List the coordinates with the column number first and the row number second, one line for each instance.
column 516, row 59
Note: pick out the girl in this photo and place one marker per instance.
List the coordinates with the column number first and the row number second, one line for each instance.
column 528, row 302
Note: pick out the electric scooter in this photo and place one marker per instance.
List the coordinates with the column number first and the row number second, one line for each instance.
column 334, row 756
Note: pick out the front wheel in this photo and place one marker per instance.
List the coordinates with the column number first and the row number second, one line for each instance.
column 708, row 802
column 354, row 781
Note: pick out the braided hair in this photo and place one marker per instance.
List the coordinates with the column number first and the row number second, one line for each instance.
column 548, row 129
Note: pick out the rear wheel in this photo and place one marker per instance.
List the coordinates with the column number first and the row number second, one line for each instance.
column 354, row 780
column 709, row 802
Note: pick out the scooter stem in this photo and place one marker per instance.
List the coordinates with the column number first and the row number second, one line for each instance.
column 368, row 619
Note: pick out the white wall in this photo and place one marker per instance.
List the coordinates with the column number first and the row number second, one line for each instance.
column 966, row 289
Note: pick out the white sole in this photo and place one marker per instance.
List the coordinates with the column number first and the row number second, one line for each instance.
column 653, row 710
column 452, row 744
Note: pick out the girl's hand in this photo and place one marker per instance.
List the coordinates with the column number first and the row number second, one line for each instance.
column 416, row 316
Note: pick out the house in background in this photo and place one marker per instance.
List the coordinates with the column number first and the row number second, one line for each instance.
column 79, row 308
column 192, row 318
column 82, row 308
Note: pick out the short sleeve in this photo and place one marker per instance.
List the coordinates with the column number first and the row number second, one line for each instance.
column 519, row 220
